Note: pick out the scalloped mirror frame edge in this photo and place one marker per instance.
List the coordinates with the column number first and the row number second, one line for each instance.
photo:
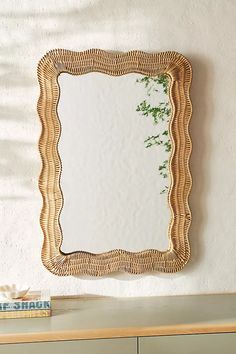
column 179, row 70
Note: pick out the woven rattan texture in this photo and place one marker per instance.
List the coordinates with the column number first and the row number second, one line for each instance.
column 76, row 63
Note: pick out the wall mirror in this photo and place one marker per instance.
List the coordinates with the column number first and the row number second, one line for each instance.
column 115, row 151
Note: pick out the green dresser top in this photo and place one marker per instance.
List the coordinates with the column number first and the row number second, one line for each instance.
column 100, row 317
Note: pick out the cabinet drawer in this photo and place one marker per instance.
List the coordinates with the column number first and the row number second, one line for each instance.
column 189, row 344
column 98, row 346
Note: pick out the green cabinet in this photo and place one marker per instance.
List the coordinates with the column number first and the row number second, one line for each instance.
column 93, row 346
column 127, row 326
column 179, row 344
column 189, row 344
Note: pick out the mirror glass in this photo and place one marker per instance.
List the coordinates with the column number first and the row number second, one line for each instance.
column 114, row 149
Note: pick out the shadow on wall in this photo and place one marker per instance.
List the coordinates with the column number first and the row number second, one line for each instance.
column 15, row 165
column 90, row 13
column 18, row 165
column 57, row 27
column 200, row 126
column 12, row 75
column 27, row 35
column 200, row 130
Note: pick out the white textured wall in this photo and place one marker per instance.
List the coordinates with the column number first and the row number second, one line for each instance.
column 203, row 30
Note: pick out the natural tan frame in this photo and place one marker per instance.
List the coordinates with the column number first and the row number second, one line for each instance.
column 178, row 68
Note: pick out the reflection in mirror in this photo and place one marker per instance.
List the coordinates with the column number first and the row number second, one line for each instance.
column 115, row 150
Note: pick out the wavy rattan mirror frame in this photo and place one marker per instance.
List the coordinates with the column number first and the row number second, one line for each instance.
column 179, row 70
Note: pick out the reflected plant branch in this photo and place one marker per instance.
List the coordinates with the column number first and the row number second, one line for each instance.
column 158, row 114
